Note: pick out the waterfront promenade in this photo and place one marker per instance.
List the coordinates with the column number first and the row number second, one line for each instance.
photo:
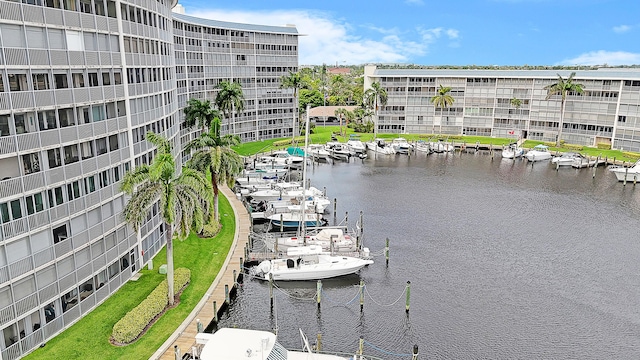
column 184, row 336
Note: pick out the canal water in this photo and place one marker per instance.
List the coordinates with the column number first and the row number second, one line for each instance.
column 506, row 261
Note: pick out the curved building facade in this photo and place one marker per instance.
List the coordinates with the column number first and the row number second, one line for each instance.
column 81, row 83
column 607, row 112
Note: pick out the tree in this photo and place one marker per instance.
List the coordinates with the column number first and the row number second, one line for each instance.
column 515, row 102
column 340, row 113
column 374, row 97
column 214, row 153
column 199, row 113
column 184, row 198
column 442, row 100
column 230, row 100
column 292, row 81
column 563, row 88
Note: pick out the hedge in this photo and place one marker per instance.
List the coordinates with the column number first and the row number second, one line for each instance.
column 129, row 328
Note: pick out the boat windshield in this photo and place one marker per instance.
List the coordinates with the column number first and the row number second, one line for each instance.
column 277, row 353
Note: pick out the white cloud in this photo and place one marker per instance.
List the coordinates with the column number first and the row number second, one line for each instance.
column 602, row 57
column 327, row 40
column 414, row 2
column 453, row 33
column 621, row 29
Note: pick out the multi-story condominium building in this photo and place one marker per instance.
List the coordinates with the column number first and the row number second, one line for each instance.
column 607, row 112
column 81, row 83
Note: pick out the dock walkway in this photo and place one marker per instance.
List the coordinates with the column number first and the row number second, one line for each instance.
column 185, row 335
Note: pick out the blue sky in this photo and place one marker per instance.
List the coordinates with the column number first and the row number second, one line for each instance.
column 462, row 32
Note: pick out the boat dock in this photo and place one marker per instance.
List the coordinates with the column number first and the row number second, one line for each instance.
column 185, row 335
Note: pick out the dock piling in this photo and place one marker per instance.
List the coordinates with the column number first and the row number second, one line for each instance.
column 361, row 295
column 215, row 311
column 227, row 297
column 271, row 290
column 386, row 252
column 198, row 326
column 408, row 296
column 319, row 292
column 414, row 356
column 176, row 352
column 319, row 342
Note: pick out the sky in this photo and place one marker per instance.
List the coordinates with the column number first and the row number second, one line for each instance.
column 462, row 32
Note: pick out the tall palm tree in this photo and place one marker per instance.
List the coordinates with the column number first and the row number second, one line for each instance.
column 199, row 113
column 340, row 113
column 230, row 100
column 214, row 153
column 442, row 99
column 374, row 97
column 293, row 81
column 184, row 198
column 563, row 87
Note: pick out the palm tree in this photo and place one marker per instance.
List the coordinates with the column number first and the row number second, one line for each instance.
column 214, row 153
column 442, row 100
column 340, row 113
column 374, row 97
column 292, row 81
column 184, row 198
column 199, row 113
column 563, row 88
column 230, row 100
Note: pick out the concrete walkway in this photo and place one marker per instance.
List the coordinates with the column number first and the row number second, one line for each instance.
column 184, row 336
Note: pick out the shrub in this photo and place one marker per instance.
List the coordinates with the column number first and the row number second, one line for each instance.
column 211, row 229
column 604, row 146
column 282, row 142
column 631, row 155
column 574, row 147
column 129, row 328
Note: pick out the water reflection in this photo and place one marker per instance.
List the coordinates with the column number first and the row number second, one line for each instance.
column 506, row 260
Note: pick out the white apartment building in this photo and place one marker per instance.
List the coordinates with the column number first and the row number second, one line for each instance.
column 81, row 82
column 607, row 112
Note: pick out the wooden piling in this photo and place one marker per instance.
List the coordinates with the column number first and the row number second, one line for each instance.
column 176, row 352
column 361, row 295
column 215, row 311
column 414, row 356
column 386, row 252
column 319, row 292
column 271, row 290
column 595, row 166
column 227, row 298
column 235, row 278
column 198, row 326
column 319, row 342
column 626, row 172
column 361, row 346
column 281, row 223
column 408, row 296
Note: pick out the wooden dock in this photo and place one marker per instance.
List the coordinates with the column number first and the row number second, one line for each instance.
column 184, row 336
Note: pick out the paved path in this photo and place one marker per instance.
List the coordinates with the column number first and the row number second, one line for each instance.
column 184, row 336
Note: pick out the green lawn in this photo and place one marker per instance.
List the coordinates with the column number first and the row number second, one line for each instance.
column 89, row 337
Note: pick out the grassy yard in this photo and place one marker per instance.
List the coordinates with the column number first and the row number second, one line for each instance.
column 89, row 337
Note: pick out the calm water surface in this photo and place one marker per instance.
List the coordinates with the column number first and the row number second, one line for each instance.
column 506, row 261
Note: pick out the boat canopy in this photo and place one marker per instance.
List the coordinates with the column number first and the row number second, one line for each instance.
column 541, row 147
column 295, row 151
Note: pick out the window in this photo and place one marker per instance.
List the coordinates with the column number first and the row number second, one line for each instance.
column 35, row 37
column 47, row 120
column 34, row 203
column 93, row 79
column 18, row 82
column 106, row 78
column 54, row 158
column 1, row 84
column 86, row 148
column 74, row 38
column 40, row 81
column 69, row 299
column 113, row 142
column 73, row 190
column 4, row 125
column 85, row 6
column 60, row 234
column 4, row 213
column 16, row 209
column 71, row 154
column 66, row 117
column 31, row 163
column 114, row 269
column 99, row 6
column 117, row 78
column 78, row 80
column 55, row 196
column 101, row 146
column 56, row 39
column 54, row 4
column 49, row 312
column 61, row 81
column 90, row 184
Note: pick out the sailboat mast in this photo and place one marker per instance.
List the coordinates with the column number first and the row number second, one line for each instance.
column 304, row 175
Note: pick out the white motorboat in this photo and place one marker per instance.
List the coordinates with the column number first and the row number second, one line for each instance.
column 356, row 146
column 401, row 146
column 245, row 344
column 338, row 151
column 380, row 146
column 441, row 146
column 309, row 263
column 318, row 152
column 566, row 159
column 512, row 152
column 334, row 240
column 627, row 173
column 294, row 219
column 279, row 193
column 282, row 158
column 538, row 153
column 424, row 146
column 263, row 209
